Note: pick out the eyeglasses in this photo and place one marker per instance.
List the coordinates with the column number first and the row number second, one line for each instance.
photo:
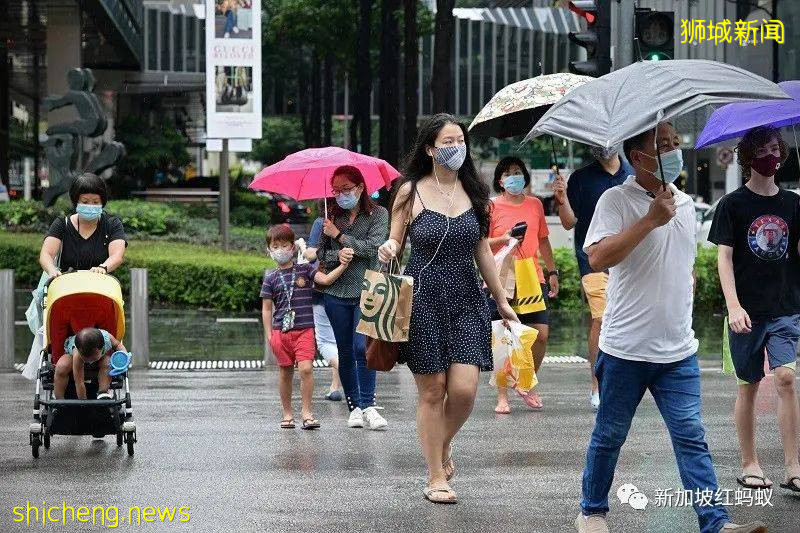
column 344, row 190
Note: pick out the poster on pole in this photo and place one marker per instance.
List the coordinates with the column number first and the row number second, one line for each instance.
column 233, row 69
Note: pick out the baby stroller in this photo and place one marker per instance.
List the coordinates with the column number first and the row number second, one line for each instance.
column 72, row 302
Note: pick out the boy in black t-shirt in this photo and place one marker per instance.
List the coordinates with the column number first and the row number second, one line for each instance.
column 757, row 229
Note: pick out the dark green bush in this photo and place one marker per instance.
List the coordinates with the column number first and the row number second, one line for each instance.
column 247, row 216
column 31, row 215
column 146, row 218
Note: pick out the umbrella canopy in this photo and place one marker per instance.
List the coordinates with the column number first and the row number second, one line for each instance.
column 626, row 102
column 516, row 107
column 734, row 120
column 306, row 175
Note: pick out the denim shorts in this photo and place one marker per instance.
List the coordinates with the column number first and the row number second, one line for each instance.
column 778, row 335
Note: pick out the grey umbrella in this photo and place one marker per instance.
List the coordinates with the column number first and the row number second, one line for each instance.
column 617, row 106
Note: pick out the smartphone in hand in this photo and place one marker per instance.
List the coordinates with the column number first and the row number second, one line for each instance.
column 519, row 229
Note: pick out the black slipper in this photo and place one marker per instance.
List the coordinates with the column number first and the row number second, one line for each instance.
column 791, row 485
column 310, row 423
column 287, row 423
column 743, row 482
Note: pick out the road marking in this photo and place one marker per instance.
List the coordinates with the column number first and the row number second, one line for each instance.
column 253, row 364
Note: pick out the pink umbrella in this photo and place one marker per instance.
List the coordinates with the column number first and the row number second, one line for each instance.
column 306, row 175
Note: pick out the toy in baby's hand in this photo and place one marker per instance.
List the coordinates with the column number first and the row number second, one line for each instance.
column 120, row 361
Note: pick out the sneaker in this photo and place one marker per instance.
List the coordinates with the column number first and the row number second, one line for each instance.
column 235, row 29
column 750, row 527
column 594, row 400
column 373, row 419
column 226, row 36
column 356, row 419
column 595, row 523
column 334, row 396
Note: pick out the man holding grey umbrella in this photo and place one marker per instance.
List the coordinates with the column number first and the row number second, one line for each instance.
column 644, row 234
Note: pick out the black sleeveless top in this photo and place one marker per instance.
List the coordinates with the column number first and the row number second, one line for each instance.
column 82, row 254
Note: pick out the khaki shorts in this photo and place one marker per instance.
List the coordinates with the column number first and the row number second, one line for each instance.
column 594, row 287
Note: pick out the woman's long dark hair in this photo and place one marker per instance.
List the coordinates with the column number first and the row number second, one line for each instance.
column 419, row 164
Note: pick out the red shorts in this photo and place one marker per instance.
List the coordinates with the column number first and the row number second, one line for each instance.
column 293, row 346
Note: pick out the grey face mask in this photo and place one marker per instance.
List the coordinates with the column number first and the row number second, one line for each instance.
column 451, row 157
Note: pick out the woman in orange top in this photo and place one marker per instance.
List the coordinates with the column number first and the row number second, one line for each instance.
column 511, row 178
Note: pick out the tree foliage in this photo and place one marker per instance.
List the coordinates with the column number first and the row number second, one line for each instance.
column 159, row 147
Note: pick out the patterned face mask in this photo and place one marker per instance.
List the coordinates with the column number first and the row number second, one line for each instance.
column 451, row 157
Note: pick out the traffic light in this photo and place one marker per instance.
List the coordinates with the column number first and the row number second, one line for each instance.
column 596, row 39
column 655, row 31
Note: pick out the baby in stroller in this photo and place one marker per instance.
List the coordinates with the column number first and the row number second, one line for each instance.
column 80, row 390
column 90, row 348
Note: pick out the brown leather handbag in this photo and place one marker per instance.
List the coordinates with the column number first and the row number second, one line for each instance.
column 382, row 355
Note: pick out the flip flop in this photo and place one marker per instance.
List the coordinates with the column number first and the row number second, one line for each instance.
column 432, row 495
column 743, row 482
column 791, row 484
column 501, row 411
column 310, row 423
column 528, row 399
column 452, row 464
column 287, row 423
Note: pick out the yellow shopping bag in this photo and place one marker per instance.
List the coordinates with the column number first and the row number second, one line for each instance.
column 512, row 356
column 529, row 298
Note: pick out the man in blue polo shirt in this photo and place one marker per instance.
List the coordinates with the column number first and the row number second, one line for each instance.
column 576, row 201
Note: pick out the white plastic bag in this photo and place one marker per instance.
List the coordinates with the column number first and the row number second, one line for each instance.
column 301, row 246
column 512, row 357
column 31, row 370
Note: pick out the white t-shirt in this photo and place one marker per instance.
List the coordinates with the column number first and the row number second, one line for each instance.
column 649, row 298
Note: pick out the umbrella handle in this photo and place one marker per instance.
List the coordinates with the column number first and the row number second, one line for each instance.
column 555, row 159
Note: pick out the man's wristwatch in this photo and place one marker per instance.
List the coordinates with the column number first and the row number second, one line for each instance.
column 338, row 238
column 553, row 272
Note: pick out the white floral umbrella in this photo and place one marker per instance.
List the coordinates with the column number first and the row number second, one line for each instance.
column 516, row 108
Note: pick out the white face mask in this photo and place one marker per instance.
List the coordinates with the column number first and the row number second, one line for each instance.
column 671, row 162
column 282, row 255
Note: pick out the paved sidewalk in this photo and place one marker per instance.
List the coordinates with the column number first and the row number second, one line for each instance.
column 210, row 441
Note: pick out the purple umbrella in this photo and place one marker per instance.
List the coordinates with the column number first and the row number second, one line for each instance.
column 734, row 120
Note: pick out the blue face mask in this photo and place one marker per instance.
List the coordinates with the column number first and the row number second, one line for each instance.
column 89, row 212
column 514, row 184
column 347, row 200
column 671, row 162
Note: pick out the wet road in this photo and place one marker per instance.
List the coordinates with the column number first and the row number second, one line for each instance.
column 210, row 441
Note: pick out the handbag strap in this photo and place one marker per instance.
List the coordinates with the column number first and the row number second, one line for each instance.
column 404, row 237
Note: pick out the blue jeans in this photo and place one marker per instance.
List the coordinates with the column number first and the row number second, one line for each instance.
column 358, row 381
column 230, row 21
column 676, row 390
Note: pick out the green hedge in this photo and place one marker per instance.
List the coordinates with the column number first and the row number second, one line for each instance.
column 179, row 274
column 156, row 221
column 202, row 276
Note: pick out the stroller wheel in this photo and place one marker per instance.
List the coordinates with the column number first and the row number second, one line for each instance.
column 35, row 443
column 119, row 438
column 130, row 444
column 46, row 439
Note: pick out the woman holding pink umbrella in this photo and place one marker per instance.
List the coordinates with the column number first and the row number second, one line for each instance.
column 355, row 227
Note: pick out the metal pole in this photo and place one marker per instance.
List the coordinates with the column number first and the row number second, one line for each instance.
column 570, row 157
column 140, row 336
column 346, row 111
column 625, row 19
column 6, row 319
column 224, row 195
